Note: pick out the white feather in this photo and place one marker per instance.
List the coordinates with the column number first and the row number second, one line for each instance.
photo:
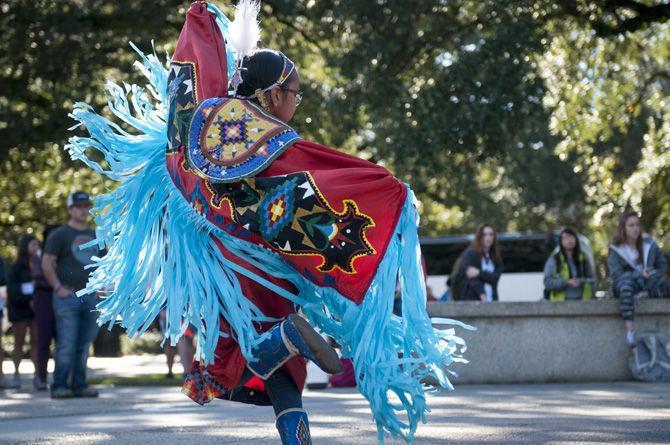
column 245, row 31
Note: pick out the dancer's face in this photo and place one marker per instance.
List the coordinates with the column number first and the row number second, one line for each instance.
column 283, row 100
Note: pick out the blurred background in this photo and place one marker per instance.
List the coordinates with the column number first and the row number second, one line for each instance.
column 526, row 114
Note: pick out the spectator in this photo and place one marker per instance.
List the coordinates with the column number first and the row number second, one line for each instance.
column 44, row 318
column 20, row 289
column 184, row 348
column 397, row 300
column 567, row 273
column 2, row 317
column 63, row 264
column 345, row 378
column 638, row 269
column 480, row 266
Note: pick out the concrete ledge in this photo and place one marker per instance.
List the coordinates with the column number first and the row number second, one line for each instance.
column 548, row 342
column 544, row 308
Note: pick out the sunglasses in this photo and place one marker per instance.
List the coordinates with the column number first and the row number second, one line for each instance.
column 297, row 93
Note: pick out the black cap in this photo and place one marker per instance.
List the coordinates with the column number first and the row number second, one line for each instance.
column 78, row 198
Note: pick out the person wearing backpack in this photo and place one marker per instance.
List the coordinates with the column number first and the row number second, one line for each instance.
column 567, row 273
column 479, row 268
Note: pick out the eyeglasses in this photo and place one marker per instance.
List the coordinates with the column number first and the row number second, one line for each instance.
column 298, row 95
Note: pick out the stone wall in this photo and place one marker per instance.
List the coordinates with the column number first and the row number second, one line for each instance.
column 548, row 342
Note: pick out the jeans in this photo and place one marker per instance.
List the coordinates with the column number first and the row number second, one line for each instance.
column 76, row 328
column 46, row 329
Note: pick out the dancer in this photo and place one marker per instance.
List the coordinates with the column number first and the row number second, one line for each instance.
column 228, row 220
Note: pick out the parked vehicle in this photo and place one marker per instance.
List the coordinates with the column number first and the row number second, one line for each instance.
column 523, row 254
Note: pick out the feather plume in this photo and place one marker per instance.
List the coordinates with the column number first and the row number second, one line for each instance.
column 245, row 31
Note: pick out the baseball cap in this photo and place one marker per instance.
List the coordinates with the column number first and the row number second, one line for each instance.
column 78, row 198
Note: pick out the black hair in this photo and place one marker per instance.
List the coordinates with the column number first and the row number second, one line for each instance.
column 260, row 70
column 576, row 254
column 22, row 256
column 48, row 228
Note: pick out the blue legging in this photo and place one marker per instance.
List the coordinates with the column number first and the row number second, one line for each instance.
column 280, row 388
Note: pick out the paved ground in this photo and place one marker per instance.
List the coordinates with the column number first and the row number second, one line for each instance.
column 486, row 414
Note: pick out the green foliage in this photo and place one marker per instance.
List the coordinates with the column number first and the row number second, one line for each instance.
column 608, row 99
column 447, row 95
column 525, row 114
column 35, row 184
column 55, row 53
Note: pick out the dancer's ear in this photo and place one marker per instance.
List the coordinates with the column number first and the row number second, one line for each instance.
column 276, row 98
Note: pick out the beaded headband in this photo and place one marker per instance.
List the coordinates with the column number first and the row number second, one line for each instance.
column 289, row 67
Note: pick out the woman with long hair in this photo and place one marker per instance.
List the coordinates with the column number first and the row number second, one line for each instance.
column 567, row 273
column 20, row 288
column 480, row 267
column 638, row 269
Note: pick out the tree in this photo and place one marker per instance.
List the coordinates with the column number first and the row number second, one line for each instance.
column 608, row 94
column 522, row 113
column 56, row 53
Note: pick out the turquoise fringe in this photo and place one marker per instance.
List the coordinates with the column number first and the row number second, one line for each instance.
column 161, row 253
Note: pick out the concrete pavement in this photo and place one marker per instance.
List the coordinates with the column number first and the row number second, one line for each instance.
column 575, row 413
column 621, row 412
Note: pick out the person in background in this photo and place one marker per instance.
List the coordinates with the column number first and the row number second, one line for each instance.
column 184, row 348
column 345, row 378
column 638, row 269
column 2, row 317
column 397, row 300
column 44, row 317
column 567, row 273
column 63, row 264
column 480, row 267
column 20, row 288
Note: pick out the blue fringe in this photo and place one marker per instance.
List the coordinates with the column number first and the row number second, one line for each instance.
column 161, row 253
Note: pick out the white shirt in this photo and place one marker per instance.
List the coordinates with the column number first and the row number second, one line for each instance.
column 633, row 255
column 488, row 266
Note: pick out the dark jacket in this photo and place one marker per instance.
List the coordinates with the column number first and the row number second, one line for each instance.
column 18, row 302
column 621, row 269
column 471, row 288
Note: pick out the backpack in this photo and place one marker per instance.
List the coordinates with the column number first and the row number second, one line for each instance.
column 650, row 361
